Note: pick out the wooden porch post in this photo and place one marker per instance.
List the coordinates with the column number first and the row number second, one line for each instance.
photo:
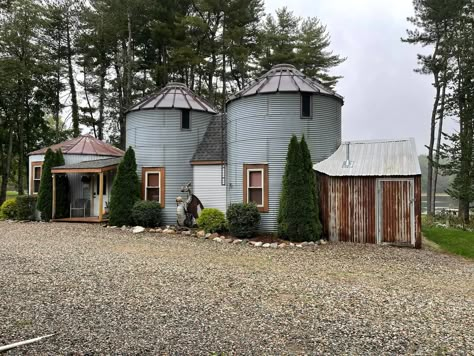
column 101, row 194
column 54, row 196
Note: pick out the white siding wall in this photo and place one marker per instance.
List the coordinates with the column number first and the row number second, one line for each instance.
column 208, row 188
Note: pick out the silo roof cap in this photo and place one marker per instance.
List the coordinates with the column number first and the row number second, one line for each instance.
column 174, row 95
column 285, row 78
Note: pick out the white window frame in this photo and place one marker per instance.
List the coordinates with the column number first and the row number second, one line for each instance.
column 181, row 122
column 153, row 187
column 36, row 179
column 310, row 106
column 262, row 171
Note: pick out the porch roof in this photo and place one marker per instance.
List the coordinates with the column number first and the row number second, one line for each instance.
column 95, row 166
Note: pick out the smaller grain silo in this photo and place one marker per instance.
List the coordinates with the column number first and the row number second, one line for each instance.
column 165, row 130
column 370, row 192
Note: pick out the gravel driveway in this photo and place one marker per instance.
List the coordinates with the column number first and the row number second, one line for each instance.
column 107, row 291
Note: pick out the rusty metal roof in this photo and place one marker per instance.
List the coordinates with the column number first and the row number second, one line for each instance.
column 373, row 158
column 174, row 96
column 284, row 78
column 83, row 145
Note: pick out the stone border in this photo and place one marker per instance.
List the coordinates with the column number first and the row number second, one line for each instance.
column 201, row 234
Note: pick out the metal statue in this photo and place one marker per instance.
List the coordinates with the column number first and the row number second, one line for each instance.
column 187, row 212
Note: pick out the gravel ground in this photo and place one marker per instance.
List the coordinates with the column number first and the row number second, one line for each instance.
column 107, row 291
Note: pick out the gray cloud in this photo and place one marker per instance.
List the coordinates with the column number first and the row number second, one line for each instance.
column 384, row 98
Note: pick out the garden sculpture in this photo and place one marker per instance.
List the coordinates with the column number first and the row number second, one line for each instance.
column 192, row 208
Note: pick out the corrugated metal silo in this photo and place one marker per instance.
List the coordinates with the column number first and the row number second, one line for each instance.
column 260, row 122
column 164, row 130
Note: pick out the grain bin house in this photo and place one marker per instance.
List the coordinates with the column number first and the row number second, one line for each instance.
column 370, row 192
column 87, row 159
column 165, row 130
column 261, row 119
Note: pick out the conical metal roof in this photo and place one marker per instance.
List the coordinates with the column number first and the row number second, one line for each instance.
column 175, row 96
column 83, row 145
column 284, row 78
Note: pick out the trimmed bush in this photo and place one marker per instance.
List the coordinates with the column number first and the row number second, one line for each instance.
column 125, row 191
column 146, row 213
column 8, row 209
column 25, row 207
column 298, row 216
column 243, row 219
column 212, row 220
column 62, row 188
column 45, row 200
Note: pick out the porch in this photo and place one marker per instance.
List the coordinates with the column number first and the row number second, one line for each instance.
column 89, row 190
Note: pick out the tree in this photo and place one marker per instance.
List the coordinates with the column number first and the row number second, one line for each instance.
column 125, row 191
column 45, row 195
column 298, row 216
column 62, row 188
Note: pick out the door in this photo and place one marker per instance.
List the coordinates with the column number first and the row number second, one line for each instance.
column 95, row 186
column 395, row 211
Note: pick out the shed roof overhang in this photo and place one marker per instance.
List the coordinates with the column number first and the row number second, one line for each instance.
column 95, row 166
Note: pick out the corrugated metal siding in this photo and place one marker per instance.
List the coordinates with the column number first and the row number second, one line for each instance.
column 259, row 129
column 208, row 188
column 158, row 141
column 349, row 209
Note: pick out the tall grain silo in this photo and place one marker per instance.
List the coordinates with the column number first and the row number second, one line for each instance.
column 164, row 130
column 261, row 119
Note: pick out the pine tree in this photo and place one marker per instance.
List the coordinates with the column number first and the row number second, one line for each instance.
column 125, row 191
column 45, row 195
column 62, row 188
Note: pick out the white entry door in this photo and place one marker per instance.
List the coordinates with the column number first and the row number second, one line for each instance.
column 95, row 187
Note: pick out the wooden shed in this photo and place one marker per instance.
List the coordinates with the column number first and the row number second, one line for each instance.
column 370, row 192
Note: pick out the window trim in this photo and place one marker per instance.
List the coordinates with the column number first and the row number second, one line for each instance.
column 181, row 121
column 265, row 186
column 32, row 180
column 310, row 106
column 161, row 179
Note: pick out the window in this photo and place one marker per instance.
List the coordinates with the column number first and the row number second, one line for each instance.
column 185, row 119
column 306, row 101
column 153, row 184
column 256, row 185
column 97, row 185
column 36, row 171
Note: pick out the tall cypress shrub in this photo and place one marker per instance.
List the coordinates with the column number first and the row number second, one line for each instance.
column 312, row 195
column 45, row 195
column 62, row 188
column 125, row 191
column 298, row 218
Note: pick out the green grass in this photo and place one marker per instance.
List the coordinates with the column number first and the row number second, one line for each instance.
column 452, row 240
column 11, row 194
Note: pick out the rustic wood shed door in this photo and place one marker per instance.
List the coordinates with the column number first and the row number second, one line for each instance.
column 395, row 211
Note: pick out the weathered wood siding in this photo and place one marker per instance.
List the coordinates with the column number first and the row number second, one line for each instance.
column 349, row 209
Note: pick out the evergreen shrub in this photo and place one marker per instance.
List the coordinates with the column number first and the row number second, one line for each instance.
column 25, row 207
column 8, row 209
column 212, row 220
column 125, row 191
column 243, row 219
column 146, row 213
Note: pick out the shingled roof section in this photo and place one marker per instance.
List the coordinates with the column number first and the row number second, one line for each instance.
column 83, row 145
column 213, row 146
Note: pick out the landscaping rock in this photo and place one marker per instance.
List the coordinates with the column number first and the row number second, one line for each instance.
column 169, row 231
column 274, row 245
column 138, row 229
column 186, row 233
column 299, row 245
column 217, row 239
column 227, row 240
column 282, row 245
column 124, row 228
column 159, row 230
column 236, row 242
column 201, row 233
column 266, row 245
column 323, row 242
column 258, row 244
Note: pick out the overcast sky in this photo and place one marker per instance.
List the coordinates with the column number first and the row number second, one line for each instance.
column 384, row 98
